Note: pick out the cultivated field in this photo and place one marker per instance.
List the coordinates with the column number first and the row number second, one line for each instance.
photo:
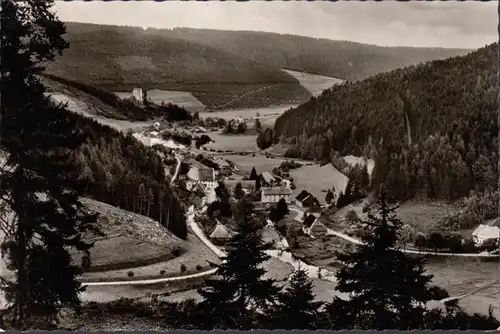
column 255, row 112
column 315, row 179
column 314, row 83
column 182, row 99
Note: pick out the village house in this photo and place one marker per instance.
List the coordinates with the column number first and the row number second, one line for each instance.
column 274, row 194
column 485, row 232
column 306, row 200
column 221, row 232
column 205, row 176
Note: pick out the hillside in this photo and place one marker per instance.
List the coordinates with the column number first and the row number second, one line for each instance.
column 450, row 106
column 121, row 58
column 340, row 59
column 120, row 171
column 130, row 240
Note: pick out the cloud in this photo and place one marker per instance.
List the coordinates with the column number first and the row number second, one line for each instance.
column 437, row 24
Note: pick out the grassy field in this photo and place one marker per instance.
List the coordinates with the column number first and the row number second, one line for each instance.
column 196, row 254
column 254, row 112
column 130, row 240
column 315, row 179
column 234, row 143
column 421, row 216
column 314, row 83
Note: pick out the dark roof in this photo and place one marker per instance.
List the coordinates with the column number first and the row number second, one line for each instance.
column 302, row 195
column 276, row 191
column 206, row 174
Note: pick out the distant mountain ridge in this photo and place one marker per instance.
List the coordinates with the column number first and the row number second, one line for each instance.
column 340, row 59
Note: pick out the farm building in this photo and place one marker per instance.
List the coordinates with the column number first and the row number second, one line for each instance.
column 205, row 176
column 485, row 232
column 274, row 194
column 306, row 200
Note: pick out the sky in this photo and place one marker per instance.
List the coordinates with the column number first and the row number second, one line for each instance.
column 449, row 24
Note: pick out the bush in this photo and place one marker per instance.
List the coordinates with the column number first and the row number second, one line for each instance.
column 420, row 240
column 198, row 267
column 183, row 268
column 130, row 274
column 162, row 272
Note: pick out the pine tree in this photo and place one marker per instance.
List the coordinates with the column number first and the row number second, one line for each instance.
column 253, row 174
column 297, row 308
column 329, row 196
column 37, row 183
column 387, row 289
column 240, row 296
column 238, row 191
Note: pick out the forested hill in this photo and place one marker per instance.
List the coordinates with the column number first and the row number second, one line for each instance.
column 122, row 172
column 118, row 57
column 340, row 59
column 451, row 108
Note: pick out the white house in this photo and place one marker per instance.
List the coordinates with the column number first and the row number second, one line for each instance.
column 485, row 232
column 205, row 176
column 274, row 194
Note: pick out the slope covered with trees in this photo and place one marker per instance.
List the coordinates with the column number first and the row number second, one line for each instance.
column 340, row 59
column 431, row 128
column 120, row 58
column 122, row 172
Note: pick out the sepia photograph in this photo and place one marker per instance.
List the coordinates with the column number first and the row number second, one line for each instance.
column 271, row 165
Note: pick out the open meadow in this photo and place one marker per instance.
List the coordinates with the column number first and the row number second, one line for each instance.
column 315, row 84
column 182, row 99
column 317, row 179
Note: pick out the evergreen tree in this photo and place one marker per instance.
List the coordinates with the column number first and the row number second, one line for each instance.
column 240, row 296
column 238, row 191
column 253, row 174
column 37, row 183
column 282, row 208
column 329, row 196
column 297, row 308
column 387, row 289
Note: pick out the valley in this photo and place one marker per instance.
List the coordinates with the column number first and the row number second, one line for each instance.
column 197, row 178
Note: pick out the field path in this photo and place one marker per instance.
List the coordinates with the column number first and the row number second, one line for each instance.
column 410, row 251
column 177, row 168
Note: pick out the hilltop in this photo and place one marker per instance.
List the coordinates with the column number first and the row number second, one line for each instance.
column 339, row 59
column 120, row 58
column 431, row 128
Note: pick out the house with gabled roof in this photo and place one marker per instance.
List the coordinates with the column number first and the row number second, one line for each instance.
column 274, row 194
column 485, row 232
column 307, row 200
column 205, row 176
column 221, row 232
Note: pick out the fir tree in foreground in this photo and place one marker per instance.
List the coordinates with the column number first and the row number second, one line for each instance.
column 36, row 182
column 388, row 290
column 297, row 308
column 240, row 296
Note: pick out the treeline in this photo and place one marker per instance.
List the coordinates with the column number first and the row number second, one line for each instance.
column 129, row 109
column 339, row 59
column 431, row 129
column 122, row 172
